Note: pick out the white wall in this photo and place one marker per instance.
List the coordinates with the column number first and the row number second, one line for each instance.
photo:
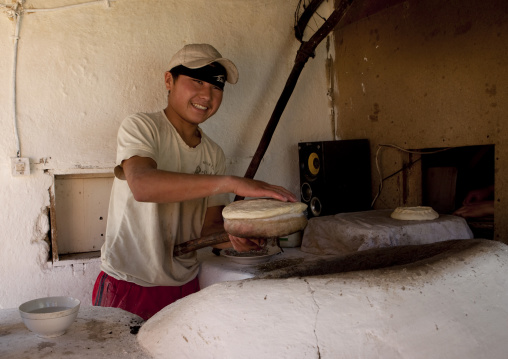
column 82, row 70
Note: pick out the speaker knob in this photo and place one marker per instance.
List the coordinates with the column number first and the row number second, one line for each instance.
column 315, row 206
column 306, row 192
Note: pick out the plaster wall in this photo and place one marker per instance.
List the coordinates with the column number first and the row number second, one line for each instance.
column 425, row 74
column 82, row 70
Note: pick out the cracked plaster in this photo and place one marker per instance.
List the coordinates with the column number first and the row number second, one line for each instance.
column 450, row 303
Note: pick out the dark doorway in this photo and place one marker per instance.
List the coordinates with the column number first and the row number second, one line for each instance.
column 448, row 177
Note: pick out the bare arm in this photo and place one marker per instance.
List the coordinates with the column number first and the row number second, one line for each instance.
column 476, row 209
column 213, row 221
column 479, row 195
column 148, row 184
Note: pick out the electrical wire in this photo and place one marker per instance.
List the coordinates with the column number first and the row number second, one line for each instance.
column 410, row 164
column 17, row 16
column 381, row 179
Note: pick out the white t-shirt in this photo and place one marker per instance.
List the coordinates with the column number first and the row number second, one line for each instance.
column 140, row 237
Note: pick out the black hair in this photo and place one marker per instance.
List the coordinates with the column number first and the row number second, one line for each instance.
column 174, row 73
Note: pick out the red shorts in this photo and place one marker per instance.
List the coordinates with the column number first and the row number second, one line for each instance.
column 142, row 301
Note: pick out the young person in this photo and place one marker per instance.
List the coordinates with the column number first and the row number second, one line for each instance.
column 175, row 189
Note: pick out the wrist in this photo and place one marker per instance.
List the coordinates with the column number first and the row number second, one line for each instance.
column 231, row 184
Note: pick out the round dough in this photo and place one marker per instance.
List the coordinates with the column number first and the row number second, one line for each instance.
column 420, row 213
column 278, row 226
column 261, row 208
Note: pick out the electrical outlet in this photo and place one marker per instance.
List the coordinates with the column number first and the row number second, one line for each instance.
column 20, row 166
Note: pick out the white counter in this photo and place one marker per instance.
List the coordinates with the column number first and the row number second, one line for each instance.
column 97, row 332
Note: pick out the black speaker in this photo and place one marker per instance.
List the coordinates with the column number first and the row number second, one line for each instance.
column 335, row 176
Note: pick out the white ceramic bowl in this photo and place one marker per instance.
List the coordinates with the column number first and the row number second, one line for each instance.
column 51, row 316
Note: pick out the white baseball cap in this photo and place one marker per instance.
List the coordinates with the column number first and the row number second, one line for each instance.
column 195, row 56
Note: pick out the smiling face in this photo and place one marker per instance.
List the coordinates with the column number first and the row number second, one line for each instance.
column 191, row 101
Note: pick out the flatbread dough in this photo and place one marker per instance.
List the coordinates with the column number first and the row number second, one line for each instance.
column 279, row 226
column 261, row 208
column 420, row 213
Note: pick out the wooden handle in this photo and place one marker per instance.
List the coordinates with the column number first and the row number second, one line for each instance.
column 198, row 243
column 305, row 51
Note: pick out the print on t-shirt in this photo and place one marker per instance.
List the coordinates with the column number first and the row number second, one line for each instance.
column 208, row 168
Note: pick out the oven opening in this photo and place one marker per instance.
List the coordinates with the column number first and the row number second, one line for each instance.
column 450, row 175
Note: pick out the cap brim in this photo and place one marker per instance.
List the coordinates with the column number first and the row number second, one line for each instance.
column 231, row 70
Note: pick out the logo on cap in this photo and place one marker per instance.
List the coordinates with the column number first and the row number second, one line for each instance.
column 220, row 78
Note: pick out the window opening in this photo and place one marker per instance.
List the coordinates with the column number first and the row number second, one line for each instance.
column 78, row 215
column 448, row 176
